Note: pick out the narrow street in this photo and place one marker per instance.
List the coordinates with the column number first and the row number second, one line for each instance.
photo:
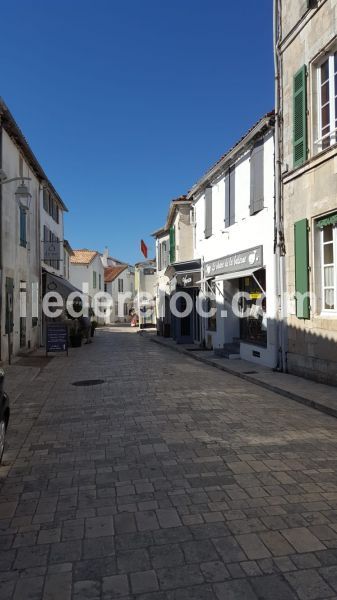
column 169, row 481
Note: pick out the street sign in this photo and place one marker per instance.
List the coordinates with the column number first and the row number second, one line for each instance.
column 57, row 338
column 52, row 250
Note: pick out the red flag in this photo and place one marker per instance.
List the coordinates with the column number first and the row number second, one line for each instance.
column 143, row 248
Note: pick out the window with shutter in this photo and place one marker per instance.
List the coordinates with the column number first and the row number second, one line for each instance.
column 302, row 269
column 46, row 200
column 172, row 244
column 230, row 197
column 208, row 212
column 23, row 228
column 257, row 178
column 300, row 117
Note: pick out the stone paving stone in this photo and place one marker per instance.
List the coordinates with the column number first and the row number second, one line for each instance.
column 58, row 587
column 31, row 556
column 309, row 585
column 170, row 555
column 168, row 518
column 176, row 577
column 200, row 592
column 116, row 586
column 199, row 551
column 29, row 588
column 229, row 549
column 253, row 546
column 235, row 590
column 133, row 560
column 86, row 590
column 146, row 520
column 144, row 581
column 98, row 527
column 125, row 523
column 214, row 571
column 98, row 547
column 276, row 543
column 65, row 551
column 272, row 587
column 302, row 540
column 94, row 568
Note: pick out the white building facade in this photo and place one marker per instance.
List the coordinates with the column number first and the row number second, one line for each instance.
column 119, row 283
column 21, row 249
column 234, row 239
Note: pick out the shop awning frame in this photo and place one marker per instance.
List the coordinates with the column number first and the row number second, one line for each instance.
column 240, row 275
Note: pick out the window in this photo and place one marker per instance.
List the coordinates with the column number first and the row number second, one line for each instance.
column 327, row 103
column 125, row 310
column 172, row 244
column 23, row 228
column 208, row 212
column 329, row 268
column 162, row 256
column 94, row 280
column 230, row 197
column 99, row 281
column 300, row 120
column 120, row 285
column 50, row 206
column 257, row 178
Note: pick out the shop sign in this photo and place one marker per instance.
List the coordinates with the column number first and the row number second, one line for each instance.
column 187, row 280
column 57, row 338
column 241, row 261
column 51, row 251
column 148, row 271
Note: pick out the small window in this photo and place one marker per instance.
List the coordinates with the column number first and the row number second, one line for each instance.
column 120, row 285
column 99, row 281
column 23, row 228
column 46, row 200
column 94, row 280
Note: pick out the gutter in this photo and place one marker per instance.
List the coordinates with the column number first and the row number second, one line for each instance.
column 279, row 247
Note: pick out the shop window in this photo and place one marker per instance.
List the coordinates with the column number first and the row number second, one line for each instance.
column 211, row 306
column 253, row 324
column 329, row 267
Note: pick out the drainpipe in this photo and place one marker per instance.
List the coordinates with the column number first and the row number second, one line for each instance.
column 1, row 236
column 279, row 232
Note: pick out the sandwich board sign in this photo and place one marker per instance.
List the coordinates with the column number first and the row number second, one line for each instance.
column 57, row 338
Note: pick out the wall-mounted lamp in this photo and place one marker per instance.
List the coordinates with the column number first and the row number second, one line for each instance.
column 23, row 197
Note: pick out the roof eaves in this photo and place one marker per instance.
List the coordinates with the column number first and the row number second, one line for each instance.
column 14, row 131
column 264, row 122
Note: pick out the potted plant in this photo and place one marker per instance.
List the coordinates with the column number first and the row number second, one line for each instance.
column 75, row 337
column 93, row 327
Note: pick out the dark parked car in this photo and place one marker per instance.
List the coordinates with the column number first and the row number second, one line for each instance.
column 4, row 413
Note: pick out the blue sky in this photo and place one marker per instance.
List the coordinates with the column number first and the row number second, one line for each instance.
column 127, row 103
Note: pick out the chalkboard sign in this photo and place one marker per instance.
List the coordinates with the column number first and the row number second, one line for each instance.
column 57, row 338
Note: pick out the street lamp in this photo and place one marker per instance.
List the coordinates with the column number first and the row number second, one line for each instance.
column 23, row 197
column 22, row 194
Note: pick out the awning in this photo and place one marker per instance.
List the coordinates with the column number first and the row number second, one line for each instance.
column 240, row 275
column 237, row 274
column 55, row 283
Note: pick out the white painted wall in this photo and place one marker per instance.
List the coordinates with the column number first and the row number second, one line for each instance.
column 248, row 231
column 21, row 264
column 80, row 274
column 58, row 230
column 128, row 278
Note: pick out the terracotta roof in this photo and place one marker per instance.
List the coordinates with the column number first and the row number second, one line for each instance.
column 83, row 257
column 111, row 273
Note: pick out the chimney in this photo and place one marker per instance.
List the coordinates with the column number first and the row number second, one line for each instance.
column 105, row 257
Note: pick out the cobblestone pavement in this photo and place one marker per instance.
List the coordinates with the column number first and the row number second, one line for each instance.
column 171, row 481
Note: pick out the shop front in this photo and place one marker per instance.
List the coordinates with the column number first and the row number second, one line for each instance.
column 239, row 282
column 185, row 323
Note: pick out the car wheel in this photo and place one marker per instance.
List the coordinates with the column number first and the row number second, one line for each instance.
column 2, row 437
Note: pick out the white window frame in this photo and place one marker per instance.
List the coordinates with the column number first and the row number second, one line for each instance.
column 329, row 311
column 318, row 144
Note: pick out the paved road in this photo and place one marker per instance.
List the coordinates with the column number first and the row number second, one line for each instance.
column 171, row 481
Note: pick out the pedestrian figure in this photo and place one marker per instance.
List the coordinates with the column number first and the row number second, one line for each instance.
column 85, row 325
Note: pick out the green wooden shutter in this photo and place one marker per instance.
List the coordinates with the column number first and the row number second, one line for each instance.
column 300, row 136
column 172, row 245
column 302, row 268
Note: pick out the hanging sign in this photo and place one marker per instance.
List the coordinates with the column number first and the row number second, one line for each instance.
column 52, row 251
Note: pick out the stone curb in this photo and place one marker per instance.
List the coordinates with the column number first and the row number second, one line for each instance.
column 272, row 388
